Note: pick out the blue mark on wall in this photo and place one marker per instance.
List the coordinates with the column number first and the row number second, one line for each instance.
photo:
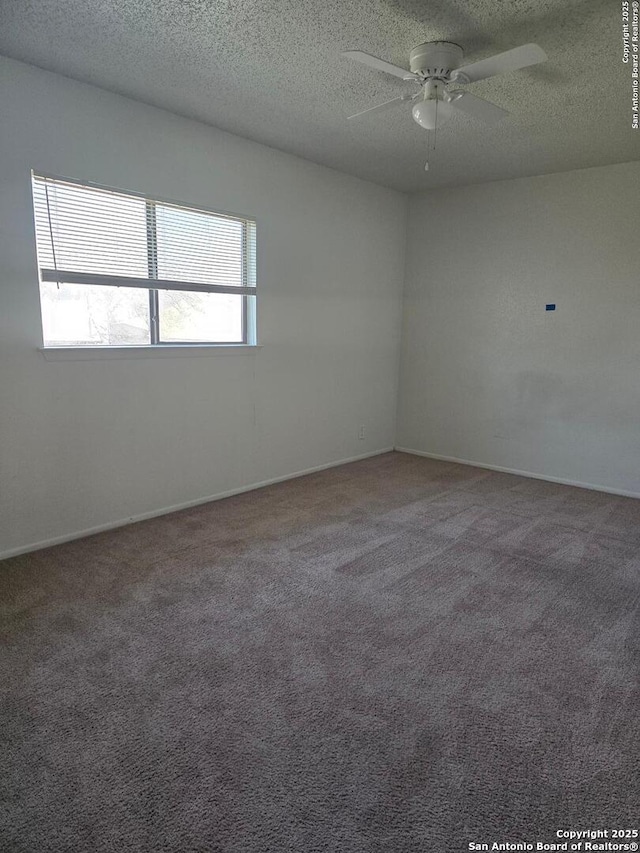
column 551, row 306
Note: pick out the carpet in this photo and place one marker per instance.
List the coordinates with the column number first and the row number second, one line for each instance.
column 399, row 654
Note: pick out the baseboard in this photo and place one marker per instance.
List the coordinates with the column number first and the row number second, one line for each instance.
column 564, row 482
column 156, row 513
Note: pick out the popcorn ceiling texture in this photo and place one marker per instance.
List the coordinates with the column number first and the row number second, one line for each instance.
column 395, row 656
column 270, row 70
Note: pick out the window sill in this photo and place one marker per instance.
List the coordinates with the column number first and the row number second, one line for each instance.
column 158, row 351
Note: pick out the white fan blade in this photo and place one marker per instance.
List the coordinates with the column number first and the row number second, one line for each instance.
column 511, row 60
column 379, row 64
column 384, row 106
column 477, row 107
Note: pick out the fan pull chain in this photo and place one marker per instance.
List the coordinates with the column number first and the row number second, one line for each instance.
column 435, row 137
column 435, row 124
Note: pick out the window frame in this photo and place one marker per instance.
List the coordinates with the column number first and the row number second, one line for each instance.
column 247, row 292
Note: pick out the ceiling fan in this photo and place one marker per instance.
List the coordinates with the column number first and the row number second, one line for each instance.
column 435, row 66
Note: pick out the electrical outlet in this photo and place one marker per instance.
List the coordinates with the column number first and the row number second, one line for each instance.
column 361, row 432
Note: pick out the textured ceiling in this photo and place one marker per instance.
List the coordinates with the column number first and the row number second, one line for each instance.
column 271, row 70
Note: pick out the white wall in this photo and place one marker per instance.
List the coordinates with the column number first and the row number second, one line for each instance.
column 487, row 375
column 88, row 443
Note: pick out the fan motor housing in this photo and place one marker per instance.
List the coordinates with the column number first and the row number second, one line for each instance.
column 435, row 58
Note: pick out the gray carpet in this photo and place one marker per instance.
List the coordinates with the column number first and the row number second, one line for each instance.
column 395, row 655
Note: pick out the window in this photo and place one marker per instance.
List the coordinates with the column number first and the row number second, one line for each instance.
column 120, row 269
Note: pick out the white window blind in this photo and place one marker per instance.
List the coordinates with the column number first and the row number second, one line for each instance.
column 120, row 268
column 95, row 236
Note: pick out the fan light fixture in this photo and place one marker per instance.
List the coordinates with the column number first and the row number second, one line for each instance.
column 434, row 109
column 431, row 112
